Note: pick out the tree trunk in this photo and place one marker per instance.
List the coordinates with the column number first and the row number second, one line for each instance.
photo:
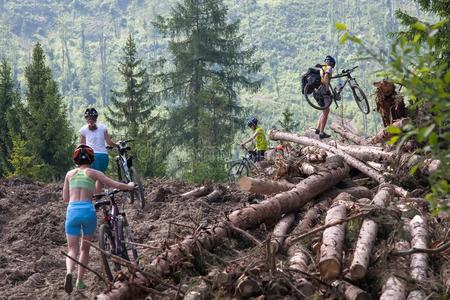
column 349, row 291
column 366, row 153
column 395, row 288
column 383, row 135
column 260, row 186
column 361, row 257
column 347, row 134
column 419, row 261
column 248, row 217
column 279, row 232
column 278, row 135
column 214, row 196
column 333, row 239
column 248, row 287
column 201, row 191
column 445, row 275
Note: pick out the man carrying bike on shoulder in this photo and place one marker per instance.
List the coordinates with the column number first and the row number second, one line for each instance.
column 95, row 135
column 323, row 96
column 259, row 136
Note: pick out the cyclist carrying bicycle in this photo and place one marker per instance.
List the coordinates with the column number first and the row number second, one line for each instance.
column 323, row 95
column 81, row 221
column 259, row 136
column 95, row 135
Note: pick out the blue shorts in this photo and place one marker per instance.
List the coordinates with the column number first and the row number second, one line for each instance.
column 100, row 162
column 81, row 216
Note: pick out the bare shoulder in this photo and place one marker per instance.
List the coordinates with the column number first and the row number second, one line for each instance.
column 71, row 173
column 93, row 173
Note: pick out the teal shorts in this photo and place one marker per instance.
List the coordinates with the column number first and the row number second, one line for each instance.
column 80, row 217
column 100, row 162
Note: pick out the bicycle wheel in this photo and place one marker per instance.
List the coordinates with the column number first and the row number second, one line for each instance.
column 237, row 170
column 124, row 178
column 137, row 193
column 311, row 101
column 361, row 99
column 128, row 251
column 106, row 242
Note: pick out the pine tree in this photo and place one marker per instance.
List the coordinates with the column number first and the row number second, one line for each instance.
column 209, row 67
column 7, row 99
column 287, row 122
column 47, row 135
column 132, row 106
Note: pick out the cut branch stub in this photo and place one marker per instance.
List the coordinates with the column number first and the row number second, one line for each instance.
column 333, row 239
column 349, row 291
column 279, row 232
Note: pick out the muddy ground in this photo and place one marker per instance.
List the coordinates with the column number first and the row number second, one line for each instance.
column 32, row 232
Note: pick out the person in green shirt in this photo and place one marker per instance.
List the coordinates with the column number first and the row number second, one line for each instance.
column 259, row 136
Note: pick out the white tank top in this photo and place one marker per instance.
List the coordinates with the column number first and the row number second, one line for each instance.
column 95, row 138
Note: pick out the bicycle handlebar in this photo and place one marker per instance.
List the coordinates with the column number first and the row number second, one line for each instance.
column 349, row 70
column 108, row 193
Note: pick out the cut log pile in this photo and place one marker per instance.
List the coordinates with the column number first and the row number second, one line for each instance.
column 328, row 226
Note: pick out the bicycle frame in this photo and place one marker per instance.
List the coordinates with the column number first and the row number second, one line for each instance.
column 110, row 216
column 336, row 92
column 123, row 161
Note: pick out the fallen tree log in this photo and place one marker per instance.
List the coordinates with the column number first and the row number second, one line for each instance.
column 384, row 135
column 260, row 186
column 355, row 163
column 248, row 287
column 214, row 196
column 395, row 287
column 333, row 239
column 347, row 134
column 349, row 291
column 247, row 217
column 419, row 261
column 279, row 232
column 198, row 192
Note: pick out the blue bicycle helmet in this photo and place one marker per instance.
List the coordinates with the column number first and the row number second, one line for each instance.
column 330, row 60
column 252, row 121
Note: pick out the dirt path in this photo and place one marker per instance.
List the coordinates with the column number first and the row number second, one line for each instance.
column 32, row 233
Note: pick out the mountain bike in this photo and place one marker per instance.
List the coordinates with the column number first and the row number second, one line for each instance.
column 358, row 94
column 242, row 167
column 114, row 234
column 127, row 173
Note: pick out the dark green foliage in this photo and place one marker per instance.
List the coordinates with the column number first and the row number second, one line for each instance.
column 287, row 122
column 210, row 66
column 441, row 8
column 47, row 138
column 8, row 124
column 132, row 106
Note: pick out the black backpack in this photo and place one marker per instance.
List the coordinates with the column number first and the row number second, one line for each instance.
column 312, row 78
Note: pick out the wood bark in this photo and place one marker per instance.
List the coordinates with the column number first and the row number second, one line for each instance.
column 355, row 163
column 395, row 288
column 200, row 291
column 419, row 261
column 349, row 291
column 347, row 134
column 383, row 135
column 198, row 192
column 261, row 186
column 248, row 287
column 280, row 231
column 214, row 196
column 333, row 239
column 445, row 274
column 367, row 236
column 248, row 217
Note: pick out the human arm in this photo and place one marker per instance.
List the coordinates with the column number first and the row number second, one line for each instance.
column 108, row 140
column 66, row 193
column 250, row 139
column 97, row 175
column 82, row 139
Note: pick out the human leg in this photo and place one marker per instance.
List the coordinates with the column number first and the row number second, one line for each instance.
column 101, row 161
column 84, row 259
column 89, row 223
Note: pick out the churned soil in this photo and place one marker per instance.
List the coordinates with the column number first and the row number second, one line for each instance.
column 32, row 236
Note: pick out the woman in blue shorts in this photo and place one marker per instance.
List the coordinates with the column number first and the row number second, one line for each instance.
column 79, row 186
column 95, row 135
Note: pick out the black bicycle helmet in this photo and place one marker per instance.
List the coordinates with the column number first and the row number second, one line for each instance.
column 252, row 121
column 330, row 60
column 83, row 154
column 91, row 113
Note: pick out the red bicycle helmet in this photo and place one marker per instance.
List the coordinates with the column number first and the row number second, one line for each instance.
column 83, row 154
